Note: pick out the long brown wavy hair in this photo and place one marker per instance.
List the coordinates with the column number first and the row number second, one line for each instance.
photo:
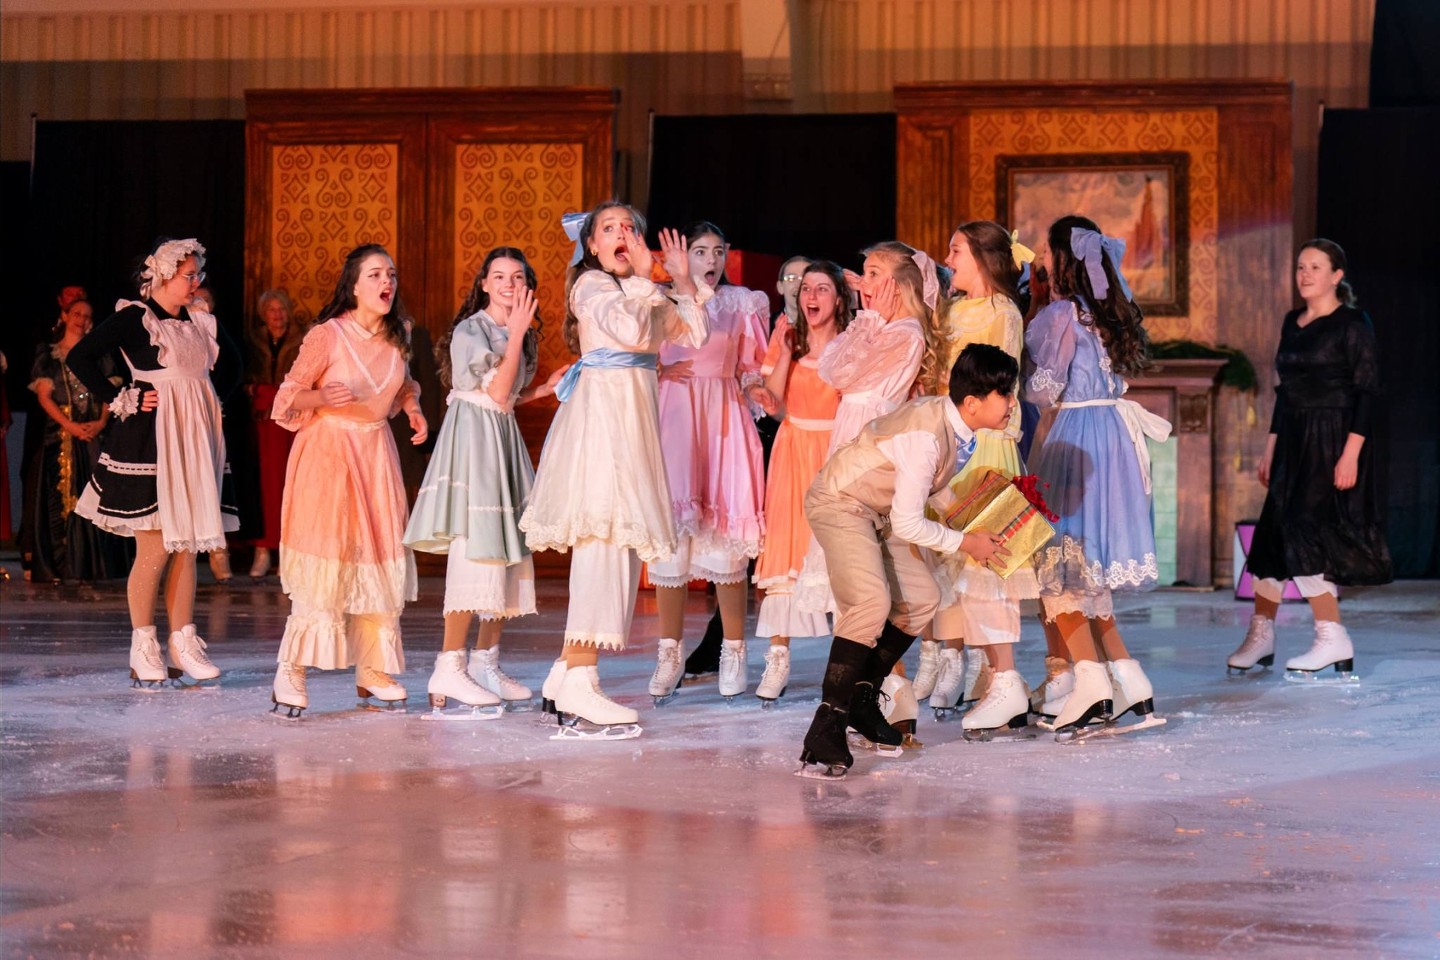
column 1118, row 320
column 480, row 300
column 990, row 247
column 844, row 313
column 342, row 301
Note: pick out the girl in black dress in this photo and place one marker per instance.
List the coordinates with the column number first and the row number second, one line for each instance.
column 1323, row 520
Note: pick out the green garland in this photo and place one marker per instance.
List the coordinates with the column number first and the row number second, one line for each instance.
column 1238, row 371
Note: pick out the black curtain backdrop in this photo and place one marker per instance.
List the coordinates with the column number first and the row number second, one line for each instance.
column 105, row 191
column 1404, row 70
column 16, row 334
column 819, row 186
column 1379, row 199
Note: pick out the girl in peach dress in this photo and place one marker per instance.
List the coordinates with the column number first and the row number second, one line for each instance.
column 806, row 405
column 342, row 561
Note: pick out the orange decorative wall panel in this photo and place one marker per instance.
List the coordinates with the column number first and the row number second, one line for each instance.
column 1043, row 131
column 325, row 200
column 513, row 194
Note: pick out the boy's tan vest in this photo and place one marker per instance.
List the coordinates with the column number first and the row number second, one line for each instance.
column 859, row 471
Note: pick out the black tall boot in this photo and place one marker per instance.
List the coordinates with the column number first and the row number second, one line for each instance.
column 825, row 744
column 893, row 644
column 825, row 740
column 866, row 717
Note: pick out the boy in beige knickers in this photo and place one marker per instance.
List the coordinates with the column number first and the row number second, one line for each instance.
column 867, row 510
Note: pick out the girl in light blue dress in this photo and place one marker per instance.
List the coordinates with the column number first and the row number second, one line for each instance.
column 479, row 479
column 1094, row 460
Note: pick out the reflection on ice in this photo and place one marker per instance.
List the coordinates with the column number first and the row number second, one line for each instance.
column 1262, row 820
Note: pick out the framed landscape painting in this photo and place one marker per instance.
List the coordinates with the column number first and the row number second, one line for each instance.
column 1142, row 198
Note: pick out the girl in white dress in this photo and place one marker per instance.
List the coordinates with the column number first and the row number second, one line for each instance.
column 600, row 490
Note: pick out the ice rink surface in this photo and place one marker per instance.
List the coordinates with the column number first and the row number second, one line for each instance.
column 1266, row 819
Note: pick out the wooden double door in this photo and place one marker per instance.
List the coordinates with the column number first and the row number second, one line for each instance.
column 437, row 176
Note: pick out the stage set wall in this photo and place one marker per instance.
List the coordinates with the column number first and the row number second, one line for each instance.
column 1235, row 137
column 113, row 60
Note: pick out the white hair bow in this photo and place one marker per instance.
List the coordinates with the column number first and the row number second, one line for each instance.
column 930, row 280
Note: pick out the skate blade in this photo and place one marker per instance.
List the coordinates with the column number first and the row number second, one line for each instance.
column 822, row 771
column 1317, row 678
column 465, row 714
column 1264, row 663
column 1016, row 728
column 666, row 698
column 396, row 707
column 943, row 713
column 583, row 730
column 859, row 742
column 999, row 736
column 291, row 714
column 147, row 686
column 1114, row 729
column 518, row 706
column 187, row 682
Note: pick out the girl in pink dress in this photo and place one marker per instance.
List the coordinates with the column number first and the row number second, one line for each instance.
column 714, row 465
column 342, row 561
column 806, row 405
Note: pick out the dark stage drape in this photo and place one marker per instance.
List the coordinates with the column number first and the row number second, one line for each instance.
column 104, row 191
column 1404, row 68
column 1379, row 199
column 814, row 185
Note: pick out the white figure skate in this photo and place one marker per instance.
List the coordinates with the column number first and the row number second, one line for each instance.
column 776, row 679
column 949, row 683
column 451, row 681
column 289, row 692
column 928, row 670
column 485, row 670
column 1048, row 699
column 585, row 713
column 550, row 689
column 1257, row 649
column 187, row 658
column 378, row 690
column 978, row 673
column 1003, row 714
column 1090, row 702
column 734, row 673
column 1332, row 648
column 665, row 681
column 147, row 669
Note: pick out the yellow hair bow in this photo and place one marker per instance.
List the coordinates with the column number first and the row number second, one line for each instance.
column 1019, row 251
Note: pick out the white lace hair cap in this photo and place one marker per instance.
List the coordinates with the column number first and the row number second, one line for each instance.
column 162, row 264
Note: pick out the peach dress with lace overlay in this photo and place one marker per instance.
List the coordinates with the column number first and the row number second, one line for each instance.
column 344, row 509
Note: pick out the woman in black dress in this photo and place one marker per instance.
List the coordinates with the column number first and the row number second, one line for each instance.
column 160, row 473
column 1323, row 519
column 56, row 543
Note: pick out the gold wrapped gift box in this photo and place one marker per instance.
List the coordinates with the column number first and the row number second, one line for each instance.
column 991, row 503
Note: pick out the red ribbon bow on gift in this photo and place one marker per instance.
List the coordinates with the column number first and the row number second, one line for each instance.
column 1028, row 484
